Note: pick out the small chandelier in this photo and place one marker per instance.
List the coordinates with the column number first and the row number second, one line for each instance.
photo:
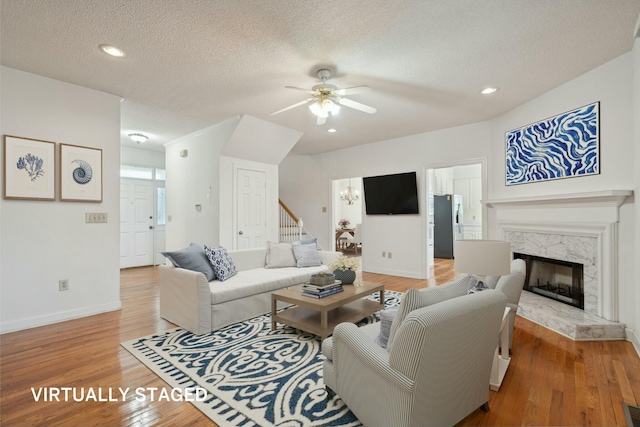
column 349, row 195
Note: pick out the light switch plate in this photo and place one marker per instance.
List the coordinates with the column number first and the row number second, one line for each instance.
column 96, row 217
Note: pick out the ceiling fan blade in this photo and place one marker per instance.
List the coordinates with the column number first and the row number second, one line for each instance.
column 300, row 89
column 321, row 121
column 356, row 105
column 292, row 106
column 352, row 90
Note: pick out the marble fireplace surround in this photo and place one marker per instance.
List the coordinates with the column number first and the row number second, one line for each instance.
column 579, row 227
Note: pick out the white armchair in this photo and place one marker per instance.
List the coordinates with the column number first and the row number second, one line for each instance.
column 435, row 373
column 511, row 285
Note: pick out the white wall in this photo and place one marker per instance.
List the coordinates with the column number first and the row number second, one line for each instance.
column 306, row 189
column 43, row 242
column 612, row 85
column 141, row 157
column 634, row 285
column 305, row 184
column 194, row 180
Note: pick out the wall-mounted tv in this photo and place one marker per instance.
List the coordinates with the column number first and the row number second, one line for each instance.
column 391, row 194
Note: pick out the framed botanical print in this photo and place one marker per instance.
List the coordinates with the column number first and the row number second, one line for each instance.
column 29, row 168
column 80, row 174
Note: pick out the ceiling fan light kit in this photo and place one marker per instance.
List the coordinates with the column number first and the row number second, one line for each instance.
column 327, row 99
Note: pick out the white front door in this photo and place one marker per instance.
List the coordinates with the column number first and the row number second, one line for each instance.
column 159, row 236
column 251, row 209
column 136, row 223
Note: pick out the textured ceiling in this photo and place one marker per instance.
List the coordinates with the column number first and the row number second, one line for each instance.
column 194, row 63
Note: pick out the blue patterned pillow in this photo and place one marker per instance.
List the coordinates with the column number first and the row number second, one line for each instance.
column 221, row 262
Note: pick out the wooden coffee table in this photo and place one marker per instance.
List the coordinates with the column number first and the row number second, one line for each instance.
column 321, row 315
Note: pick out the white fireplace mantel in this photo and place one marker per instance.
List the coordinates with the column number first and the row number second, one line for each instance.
column 607, row 198
column 591, row 215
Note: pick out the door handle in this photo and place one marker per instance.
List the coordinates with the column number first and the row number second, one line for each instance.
column 240, row 232
column 151, row 227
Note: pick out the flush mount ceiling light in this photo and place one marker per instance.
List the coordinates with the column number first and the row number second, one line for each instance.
column 138, row 137
column 112, row 50
column 489, row 90
column 332, row 130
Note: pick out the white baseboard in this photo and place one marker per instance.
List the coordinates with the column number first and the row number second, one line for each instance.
column 62, row 316
column 401, row 273
column 633, row 336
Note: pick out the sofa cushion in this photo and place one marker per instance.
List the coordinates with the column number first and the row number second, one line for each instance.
column 307, row 255
column 260, row 280
column 280, row 255
column 192, row 258
column 221, row 262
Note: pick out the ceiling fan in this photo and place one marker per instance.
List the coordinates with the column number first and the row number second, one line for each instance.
column 327, row 98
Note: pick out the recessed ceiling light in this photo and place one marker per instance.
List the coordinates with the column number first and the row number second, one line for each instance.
column 489, row 90
column 138, row 137
column 112, row 50
column 332, row 130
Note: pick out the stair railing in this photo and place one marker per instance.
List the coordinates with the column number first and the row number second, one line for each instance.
column 291, row 227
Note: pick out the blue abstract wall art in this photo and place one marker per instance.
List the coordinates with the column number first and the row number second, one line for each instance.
column 563, row 146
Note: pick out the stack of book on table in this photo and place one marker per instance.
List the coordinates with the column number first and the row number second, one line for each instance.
column 321, row 291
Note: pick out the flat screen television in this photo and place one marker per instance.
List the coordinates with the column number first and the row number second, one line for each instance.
column 395, row 194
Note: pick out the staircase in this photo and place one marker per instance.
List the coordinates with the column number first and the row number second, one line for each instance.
column 291, row 227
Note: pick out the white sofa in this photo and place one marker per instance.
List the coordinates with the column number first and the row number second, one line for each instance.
column 191, row 302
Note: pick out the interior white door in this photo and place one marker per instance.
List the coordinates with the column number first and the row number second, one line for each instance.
column 251, row 212
column 159, row 236
column 136, row 223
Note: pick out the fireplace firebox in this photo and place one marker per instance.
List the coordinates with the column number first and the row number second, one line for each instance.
column 556, row 279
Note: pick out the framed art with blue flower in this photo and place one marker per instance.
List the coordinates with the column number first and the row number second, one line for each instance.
column 29, row 168
column 563, row 146
column 80, row 174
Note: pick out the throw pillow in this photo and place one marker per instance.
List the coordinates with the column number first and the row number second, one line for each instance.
column 221, row 262
column 192, row 258
column 386, row 318
column 280, row 255
column 307, row 255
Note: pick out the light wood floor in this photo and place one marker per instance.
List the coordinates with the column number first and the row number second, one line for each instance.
column 551, row 380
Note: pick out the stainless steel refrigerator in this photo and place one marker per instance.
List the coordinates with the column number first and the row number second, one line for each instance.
column 447, row 223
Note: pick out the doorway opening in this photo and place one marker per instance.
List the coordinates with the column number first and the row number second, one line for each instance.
column 347, row 214
column 454, row 207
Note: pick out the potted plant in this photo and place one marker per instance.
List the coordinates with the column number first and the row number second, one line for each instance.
column 344, row 223
column 344, row 269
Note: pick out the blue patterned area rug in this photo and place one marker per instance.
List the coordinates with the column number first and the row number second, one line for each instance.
column 253, row 376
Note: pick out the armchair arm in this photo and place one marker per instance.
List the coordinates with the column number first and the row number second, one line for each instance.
column 185, row 299
column 355, row 354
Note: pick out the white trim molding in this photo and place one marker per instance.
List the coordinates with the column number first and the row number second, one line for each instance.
column 578, row 227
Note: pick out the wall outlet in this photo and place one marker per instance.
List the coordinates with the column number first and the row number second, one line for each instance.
column 63, row 285
column 384, row 254
column 324, row 209
column 95, row 217
column 389, row 255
